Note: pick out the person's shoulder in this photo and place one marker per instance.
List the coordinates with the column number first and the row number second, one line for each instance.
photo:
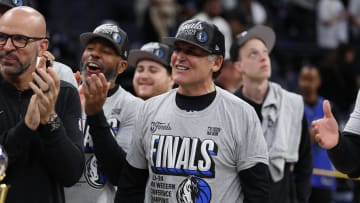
column 232, row 100
column 67, row 85
column 159, row 98
column 286, row 93
column 127, row 97
column 64, row 72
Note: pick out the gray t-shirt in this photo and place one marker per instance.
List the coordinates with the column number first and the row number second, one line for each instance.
column 196, row 155
column 120, row 110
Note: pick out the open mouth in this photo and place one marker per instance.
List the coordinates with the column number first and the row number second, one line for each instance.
column 93, row 68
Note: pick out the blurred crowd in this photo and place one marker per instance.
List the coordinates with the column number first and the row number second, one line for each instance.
column 324, row 33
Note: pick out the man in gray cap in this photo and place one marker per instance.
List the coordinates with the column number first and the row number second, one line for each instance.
column 107, row 106
column 152, row 69
column 189, row 145
column 281, row 113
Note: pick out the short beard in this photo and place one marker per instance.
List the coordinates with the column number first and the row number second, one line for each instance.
column 110, row 74
column 18, row 71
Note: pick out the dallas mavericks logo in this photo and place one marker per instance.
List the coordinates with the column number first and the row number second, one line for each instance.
column 159, row 52
column 18, row 2
column 92, row 173
column 193, row 190
column 116, row 37
column 202, row 36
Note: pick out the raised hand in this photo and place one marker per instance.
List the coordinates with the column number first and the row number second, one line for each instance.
column 95, row 90
column 326, row 129
column 46, row 86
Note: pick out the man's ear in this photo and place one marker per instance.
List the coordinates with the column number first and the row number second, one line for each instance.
column 218, row 63
column 123, row 64
column 44, row 45
column 237, row 66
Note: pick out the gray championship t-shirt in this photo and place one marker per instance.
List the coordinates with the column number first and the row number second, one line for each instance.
column 120, row 110
column 196, row 155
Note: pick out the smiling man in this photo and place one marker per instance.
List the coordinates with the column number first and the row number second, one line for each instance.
column 152, row 69
column 105, row 56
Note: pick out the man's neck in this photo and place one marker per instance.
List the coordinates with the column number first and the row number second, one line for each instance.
column 198, row 90
column 255, row 91
column 310, row 99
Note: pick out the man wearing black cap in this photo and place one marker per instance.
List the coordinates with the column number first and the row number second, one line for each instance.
column 189, row 145
column 152, row 69
column 107, row 106
column 281, row 114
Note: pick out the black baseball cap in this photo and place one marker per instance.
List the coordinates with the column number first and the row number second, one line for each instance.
column 111, row 32
column 11, row 3
column 204, row 35
column 154, row 51
column 261, row 32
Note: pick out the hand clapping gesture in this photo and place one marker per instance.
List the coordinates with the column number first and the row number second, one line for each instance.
column 46, row 87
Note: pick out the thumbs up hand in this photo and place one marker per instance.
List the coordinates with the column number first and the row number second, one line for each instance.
column 326, row 129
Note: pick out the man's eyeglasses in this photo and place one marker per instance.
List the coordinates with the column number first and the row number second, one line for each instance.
column 18, row 41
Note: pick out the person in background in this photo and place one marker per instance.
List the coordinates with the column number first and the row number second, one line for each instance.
column 281, row 113
column 323, row 186
column 105, row 56
column 39, row 114
column 152, row 69
column 229, row 77
column 210, row 11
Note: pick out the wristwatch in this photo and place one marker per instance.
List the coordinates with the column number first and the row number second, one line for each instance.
column 54, row 123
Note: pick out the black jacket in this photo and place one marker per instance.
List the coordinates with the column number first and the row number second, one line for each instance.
column 41, row 162
column 346, row 155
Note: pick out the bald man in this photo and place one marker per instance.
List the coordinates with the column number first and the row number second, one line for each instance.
column 39, row 115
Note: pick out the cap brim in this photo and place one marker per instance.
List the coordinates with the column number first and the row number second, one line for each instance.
column 86, row 37
column 172, row 40
column 7, row 5
column 136, row 55
column 263, row 33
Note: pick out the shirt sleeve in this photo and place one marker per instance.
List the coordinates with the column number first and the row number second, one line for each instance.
column 252, row 148
column 346, row 155
column 136, row 155
column 17, row 141
column 63, row 147
column 108, row 153
column 255, row 182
